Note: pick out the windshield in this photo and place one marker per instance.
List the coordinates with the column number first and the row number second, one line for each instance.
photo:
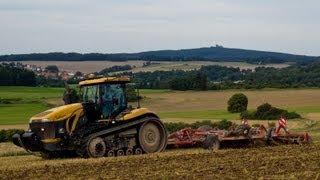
column 90, row 93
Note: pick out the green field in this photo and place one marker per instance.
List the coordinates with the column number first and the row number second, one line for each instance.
column 187, row 106
column 29, row 93
column 24, row 102
column 19, row 113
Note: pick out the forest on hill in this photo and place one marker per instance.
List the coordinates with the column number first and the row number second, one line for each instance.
column 214, row 53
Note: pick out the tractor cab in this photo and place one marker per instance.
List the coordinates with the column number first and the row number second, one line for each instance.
column 104, row 98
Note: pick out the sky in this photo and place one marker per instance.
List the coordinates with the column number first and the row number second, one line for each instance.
column 105, row 26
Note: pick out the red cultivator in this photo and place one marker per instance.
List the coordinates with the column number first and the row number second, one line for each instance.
column 210, row 138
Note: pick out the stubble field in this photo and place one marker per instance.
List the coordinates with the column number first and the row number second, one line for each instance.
column 96, row 66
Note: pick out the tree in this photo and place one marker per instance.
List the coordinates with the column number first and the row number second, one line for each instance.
column 14, row 74
column 132, row 94
column 238, row 103
column 70, row 96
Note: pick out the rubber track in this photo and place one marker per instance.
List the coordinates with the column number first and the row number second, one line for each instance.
column 113, row 129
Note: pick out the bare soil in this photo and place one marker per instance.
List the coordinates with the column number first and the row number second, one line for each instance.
column 277, row 162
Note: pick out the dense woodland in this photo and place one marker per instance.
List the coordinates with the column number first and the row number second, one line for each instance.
column 216, row 53
column 205, row 78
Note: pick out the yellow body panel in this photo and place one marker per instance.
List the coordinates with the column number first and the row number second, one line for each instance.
column 76, row 110
column 137, row 112
column 58, row 113
column 104, row 80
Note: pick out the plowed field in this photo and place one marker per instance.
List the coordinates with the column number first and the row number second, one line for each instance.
column 284, row 162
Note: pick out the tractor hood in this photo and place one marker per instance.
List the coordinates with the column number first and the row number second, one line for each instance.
column 56, row 114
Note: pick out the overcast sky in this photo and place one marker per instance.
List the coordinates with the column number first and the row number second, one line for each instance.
column 105, row 26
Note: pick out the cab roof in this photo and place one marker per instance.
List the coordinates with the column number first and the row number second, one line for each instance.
column 104, row 80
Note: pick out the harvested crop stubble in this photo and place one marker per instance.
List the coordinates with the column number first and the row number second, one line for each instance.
column 287, row 161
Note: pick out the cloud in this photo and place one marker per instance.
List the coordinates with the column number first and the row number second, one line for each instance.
column 138, row 25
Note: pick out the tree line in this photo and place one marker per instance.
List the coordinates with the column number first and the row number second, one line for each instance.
column 206, row 78
column 14, row 74
column 219, row 78
column 11, row 75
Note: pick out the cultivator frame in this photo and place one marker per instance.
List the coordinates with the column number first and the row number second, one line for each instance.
column 211, row 138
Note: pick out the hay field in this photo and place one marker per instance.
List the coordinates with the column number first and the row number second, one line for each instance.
column 83, row 66
column 95, row 66
column 203, row 104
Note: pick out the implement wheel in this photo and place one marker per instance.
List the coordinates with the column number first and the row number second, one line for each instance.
column 152, row 136
column 96, row 147
column 211, row 142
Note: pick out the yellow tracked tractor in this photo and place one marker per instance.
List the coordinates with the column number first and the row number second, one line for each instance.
column 101, row 125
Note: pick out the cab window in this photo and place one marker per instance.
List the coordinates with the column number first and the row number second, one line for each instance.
column 113, row 99
column 90, row 93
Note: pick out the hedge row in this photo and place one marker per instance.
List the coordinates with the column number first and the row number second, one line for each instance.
column 172, row 127
column 6, row 135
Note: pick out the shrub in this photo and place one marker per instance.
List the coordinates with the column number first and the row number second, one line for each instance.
column 268, row 112
column 6, row 135
column 224, row 124
column 202, row 123
column 132, row 94
column 292, row 115
column 172, row 127
column 237, row 103
column 247, row 115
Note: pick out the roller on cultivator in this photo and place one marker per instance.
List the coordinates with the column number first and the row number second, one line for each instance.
column 242, row 135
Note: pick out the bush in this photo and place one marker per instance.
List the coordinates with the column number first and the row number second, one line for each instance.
column 172, row 127
column 268, row 112
column 247, row 115
column 238, row 103
column 6, row 135
column 224, row 124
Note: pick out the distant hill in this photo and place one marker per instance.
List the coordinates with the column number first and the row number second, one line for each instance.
column 217, row 53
